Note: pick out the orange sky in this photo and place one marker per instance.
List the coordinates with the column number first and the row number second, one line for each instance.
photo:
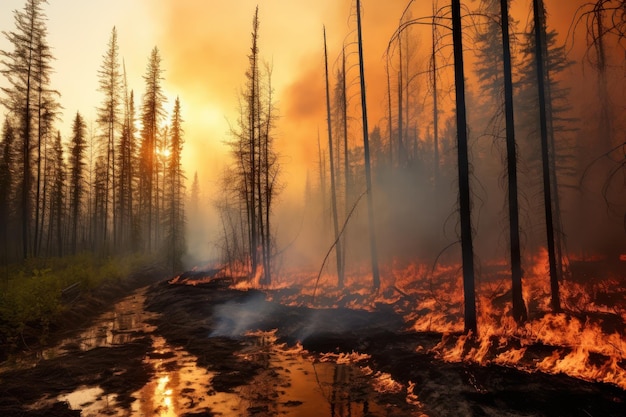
column 204, row 47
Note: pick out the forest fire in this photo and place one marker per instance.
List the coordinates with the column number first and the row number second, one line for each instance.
column 424, row 200
column 586, row 340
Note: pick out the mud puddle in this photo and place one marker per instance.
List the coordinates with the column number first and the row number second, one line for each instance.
column 123, row 366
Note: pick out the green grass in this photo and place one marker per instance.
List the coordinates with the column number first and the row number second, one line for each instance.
column 30, row 292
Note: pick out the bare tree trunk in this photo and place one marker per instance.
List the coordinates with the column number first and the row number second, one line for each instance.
column 333, row 190
column 401, row 148
column 463, row 162
column 346, row 162
column 267, row 186
column 605, row 118
column 435, row 104
column 389, row 115
column 554, row 183
column 322, row 169
column 42, row 198
column 38, row 204
column 366, row 150
column 547, row 195
column 519, row 308
column 252, row 143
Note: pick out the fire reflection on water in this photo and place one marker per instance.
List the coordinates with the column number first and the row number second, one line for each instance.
column 178, row 384
column 293, row 382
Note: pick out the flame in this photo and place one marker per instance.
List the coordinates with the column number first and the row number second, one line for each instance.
column 345, row 358
column 587, row 341
column 384, row 383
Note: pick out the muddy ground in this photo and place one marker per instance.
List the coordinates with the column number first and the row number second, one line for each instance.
column 212, row 323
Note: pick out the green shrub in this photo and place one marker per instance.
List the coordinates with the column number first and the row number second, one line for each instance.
column 31, row 291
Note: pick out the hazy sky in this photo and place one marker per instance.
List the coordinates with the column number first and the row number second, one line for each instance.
column 204, row 46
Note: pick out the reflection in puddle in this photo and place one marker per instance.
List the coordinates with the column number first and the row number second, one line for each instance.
column 116, row 327
column 90, row 401
column 290, row 382
column 178, row 384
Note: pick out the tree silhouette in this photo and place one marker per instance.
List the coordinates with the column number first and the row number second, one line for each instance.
column 126, row 162
column 175, row 192
column 152, row 113
column 519, row 308
column 26, row 69
column 7, row 189
column 77, row 179
column 109, row 120
column 366, row 151
column 463, row 167
column 56, row 224
column 333, row 187
column 255, row 165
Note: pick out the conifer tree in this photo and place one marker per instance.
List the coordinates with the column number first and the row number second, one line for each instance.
column 57, row 224
column 152, row 113
column 7, row 168
column 109, row 120
column 126, row 173
column 27, row 70
column 176, row 192
column 544, row 126
column 77, row 180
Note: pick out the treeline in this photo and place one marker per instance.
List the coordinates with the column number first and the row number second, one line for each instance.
column 115, row 185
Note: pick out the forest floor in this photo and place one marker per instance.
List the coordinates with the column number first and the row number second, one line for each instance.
column 181, row 350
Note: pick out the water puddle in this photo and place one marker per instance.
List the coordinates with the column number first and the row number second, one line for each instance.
column 289, row 380
column 123, row 324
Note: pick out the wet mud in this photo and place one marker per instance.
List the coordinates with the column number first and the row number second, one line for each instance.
column 207, row 350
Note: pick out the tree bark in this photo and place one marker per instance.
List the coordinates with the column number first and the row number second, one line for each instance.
column 366, row 150
column 547, row 195
column 519, row 308
column 463, row 162
column 333, row 190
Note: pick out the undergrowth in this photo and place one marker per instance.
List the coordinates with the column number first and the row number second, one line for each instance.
column 31, row 292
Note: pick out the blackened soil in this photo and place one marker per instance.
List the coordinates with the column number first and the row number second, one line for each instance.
column 192, row 314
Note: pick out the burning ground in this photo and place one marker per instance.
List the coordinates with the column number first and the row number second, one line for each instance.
column 437, row 373
column 204, row 344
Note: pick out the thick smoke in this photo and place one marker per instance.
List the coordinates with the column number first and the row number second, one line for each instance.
column 415, row 218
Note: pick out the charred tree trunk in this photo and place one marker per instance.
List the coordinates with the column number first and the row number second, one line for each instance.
column 268, row 185
column 599, row 46
column 389, row 116
column 463, row 162
column 346, row 161
column 402, row 157
column 554, row 182
column 435, row 105
column 519, row 308
column 545, row 159
column 366, row 150
column 322, row 171
column 254, row 240
column 333, row 191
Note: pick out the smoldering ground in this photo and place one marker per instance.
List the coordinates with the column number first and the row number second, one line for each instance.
column 211, row 321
